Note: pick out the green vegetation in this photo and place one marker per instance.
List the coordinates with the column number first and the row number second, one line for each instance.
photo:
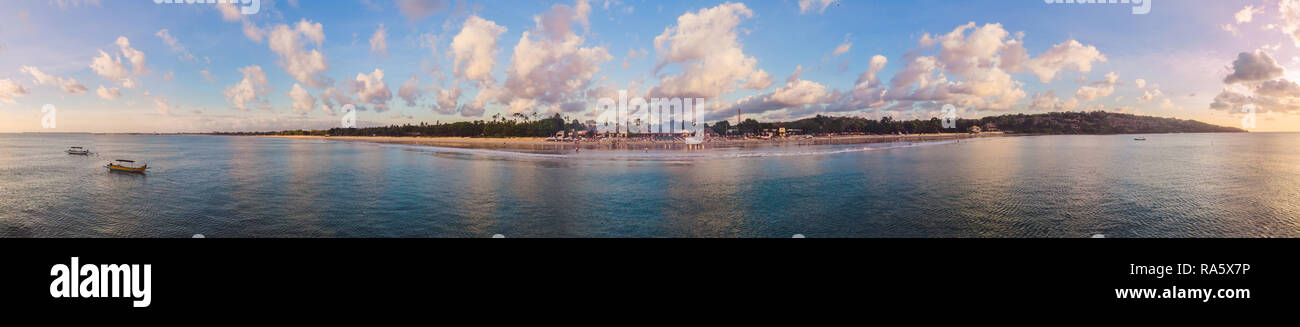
column 1096, row 122
column 518, row 126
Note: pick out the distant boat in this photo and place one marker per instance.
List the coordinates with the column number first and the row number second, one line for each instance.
column 126, row 166
column 78, row 151
column 1139, row 139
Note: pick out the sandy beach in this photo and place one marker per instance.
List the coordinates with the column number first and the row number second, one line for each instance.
column 537, row 143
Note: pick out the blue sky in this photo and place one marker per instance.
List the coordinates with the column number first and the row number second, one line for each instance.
column 778, row 60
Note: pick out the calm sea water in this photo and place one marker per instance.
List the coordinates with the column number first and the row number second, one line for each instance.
column 1190, row 185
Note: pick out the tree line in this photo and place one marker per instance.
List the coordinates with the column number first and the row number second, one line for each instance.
column 520, row 125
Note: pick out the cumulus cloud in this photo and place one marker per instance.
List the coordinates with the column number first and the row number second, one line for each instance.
column 974, row 55
column 819, row 6
column 1148, row 96
column 163, row 106
column 796, row 95
column 1069, row 55
column 229, row 12
column 1099, row 89
column 416, row 10
column 379, row 41
column 1245, row 15
column 447, row 99
column 551, row 70
column 304, row 65
column 250, row 90
column 705, row 43
column 303, row 102
column 1050, row 102
column 1290, row 12
column 1256, row 80
column 111, row 67
column 410, row 91
column 10, row 90
column 332, row 99
column 108, row 93
column 371, row 89
column 136, row 57
column 1252, row 67
column 473, row 50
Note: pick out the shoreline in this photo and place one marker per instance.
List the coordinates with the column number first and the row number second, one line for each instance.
column 541, row 144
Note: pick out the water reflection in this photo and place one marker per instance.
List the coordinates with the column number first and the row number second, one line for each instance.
column 1051, row 186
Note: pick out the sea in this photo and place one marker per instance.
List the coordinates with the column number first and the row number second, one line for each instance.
column 1244, row 185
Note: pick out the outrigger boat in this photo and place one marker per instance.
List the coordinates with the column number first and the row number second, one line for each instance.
column 125, row 166
column 78, row 151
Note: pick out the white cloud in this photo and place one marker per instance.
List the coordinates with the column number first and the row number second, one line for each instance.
column 162, row 106
column 1067, row 55
column 229, row 12
column 371, row 89
column 108, row 93
column 379, row 41
column 447, row 99
column 304, row 65
column 416, row 10
column 844, row 47
column 175, row 44
column 705, row 44
column 807, row 6
column 1148, row 96
column 1247, row 14
column 1049, row 102
column 410, row 91
column 1099, row 89
column 136, row 57
column 1140, row 83
column 249, row 90
column 1290, row 12
column 474, row 50
column 331, row 99
column 303, row 102
column 10, row 90
column 797, row 94
column 977, row 59
column 551, row 70
column 67, row 85
column 111, row 68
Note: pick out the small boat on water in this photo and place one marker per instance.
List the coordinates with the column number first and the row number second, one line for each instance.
column 76, row 150
column 1139, row 138
column 126, row 166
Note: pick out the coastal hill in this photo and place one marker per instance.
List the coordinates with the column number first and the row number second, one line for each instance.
column 1096, row 122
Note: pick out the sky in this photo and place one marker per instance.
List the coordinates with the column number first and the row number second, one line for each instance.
column 141, row 66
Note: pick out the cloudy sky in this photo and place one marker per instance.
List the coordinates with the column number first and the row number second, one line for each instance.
column 137, row 66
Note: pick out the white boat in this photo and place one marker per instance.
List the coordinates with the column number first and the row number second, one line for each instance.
column 78, row 151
